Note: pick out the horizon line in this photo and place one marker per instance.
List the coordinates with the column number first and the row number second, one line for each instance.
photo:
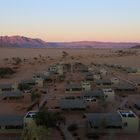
column 72, row 41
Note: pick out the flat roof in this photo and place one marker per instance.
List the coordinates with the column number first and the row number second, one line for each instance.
column 17, row 93
column 124, row 86
column 126, row 113
column 5, row 86
column 72, row 104
column 11, row 120
column 108, row 119
column 28, row 81
column 137, row 103
column 98, row 81
column 93, row 93
column 73, row 86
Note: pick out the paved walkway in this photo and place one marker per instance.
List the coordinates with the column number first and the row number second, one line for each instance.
column 48, row 95
column 66, row 133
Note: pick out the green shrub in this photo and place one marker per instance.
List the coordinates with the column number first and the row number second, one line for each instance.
column 6, row 71
column 73, row 127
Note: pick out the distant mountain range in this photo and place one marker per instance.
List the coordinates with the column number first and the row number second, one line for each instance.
column 21, row 42
column 136, row 47
column 25, row 42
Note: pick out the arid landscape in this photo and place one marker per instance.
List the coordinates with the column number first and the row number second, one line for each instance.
column 69, row 70
column 26, row 62
column 33, row 60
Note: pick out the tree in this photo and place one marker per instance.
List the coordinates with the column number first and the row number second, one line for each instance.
column 6, row 71
column 48, row 119
column 34, row 96
column 73, row 127
column 33, row 132
column 23, row 86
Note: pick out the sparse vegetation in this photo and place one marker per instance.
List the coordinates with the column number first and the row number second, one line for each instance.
column 6, row 71
column 23, row 87
column 16, row 61
column 48, row 119
column 34, row 132
column 35, row 96
column 73, row 127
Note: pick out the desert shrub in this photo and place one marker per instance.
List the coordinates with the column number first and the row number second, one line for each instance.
column 73, row 127
column 75, row 134
column 48, row 119
column 23, row 86
column 35, row 96
column 93, row 136
column 6, row 71
column 16, row 60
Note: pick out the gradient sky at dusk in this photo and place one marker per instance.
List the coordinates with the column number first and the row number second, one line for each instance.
column 71, row 20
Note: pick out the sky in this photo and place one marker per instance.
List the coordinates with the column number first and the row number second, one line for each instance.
column 72, row 20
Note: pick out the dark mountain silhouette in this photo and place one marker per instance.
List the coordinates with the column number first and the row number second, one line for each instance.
column 21, row 42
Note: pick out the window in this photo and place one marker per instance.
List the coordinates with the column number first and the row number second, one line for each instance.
column 125, row 124
column 95, row 127
column 106, row 96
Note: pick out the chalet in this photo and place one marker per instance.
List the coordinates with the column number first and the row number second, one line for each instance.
column 130, row 70
column 123, row 121
column 11, row 123
column 38, row 80
column 136, row 107
column 86, row 86
column 60, row 69
column 29, row 118
column 93, row 94
column 137, row 104
column 138, row 71
column 88, row 76
column 73, row 88
column 53, row 68
column 125, row 87
column 115, row 80
column 109, row 94
column 8, row 87
column 103, row 122
column 83, row 69
column 130, row 121
column 136, row 81
column 91, row 68
column 67, row 67
column 96, row 77
column 118, row 66
column 57, row 69
column 103, row 82
column 31, row 82
column 103, row 72
column 72, row 104
column 11, row 95
column 78, row 66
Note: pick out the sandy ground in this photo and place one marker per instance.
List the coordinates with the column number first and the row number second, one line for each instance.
column 47, row 57
column 53, row 55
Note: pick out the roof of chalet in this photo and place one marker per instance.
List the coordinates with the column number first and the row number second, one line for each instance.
column 137, row 103
column 28, row 81
column 107, row 119
column 72, row 104
column 103, row 81
column 93, row 93
column 11, row 120
column 73, row 86
column 17, row 93
column 5, row 86
column 125, row 86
